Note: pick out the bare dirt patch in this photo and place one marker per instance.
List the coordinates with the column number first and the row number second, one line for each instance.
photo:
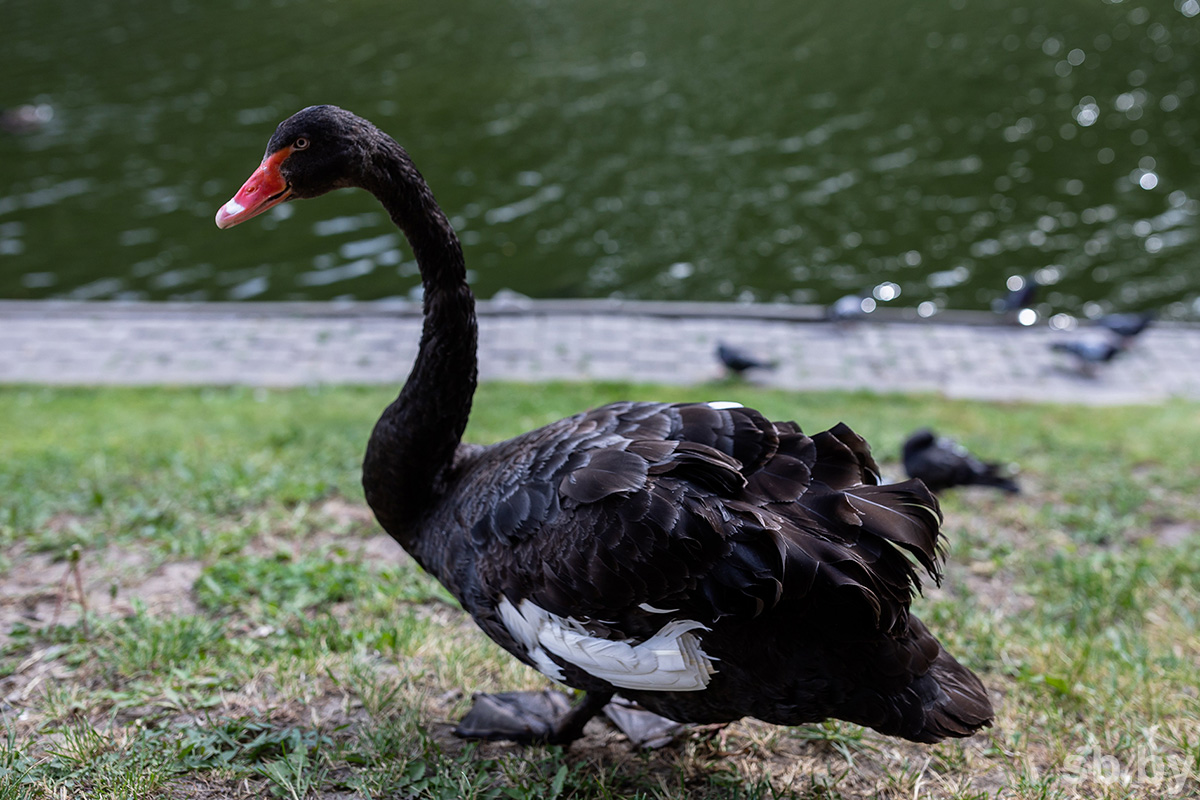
column 40, row 590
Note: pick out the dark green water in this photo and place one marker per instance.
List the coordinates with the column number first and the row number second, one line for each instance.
column 702, row 150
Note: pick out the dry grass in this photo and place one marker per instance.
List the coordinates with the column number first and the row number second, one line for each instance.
column 249, row 632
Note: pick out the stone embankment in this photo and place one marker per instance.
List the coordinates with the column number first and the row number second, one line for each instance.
column 294, row 344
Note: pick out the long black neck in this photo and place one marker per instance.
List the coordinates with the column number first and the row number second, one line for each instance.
column 413, row 444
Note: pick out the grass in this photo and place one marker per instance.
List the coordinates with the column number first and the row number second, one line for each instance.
column 247, row 631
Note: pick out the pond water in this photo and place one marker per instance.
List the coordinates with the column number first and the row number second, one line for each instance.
column 772, row 150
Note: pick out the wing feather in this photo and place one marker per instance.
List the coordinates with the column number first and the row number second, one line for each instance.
column 711, row 512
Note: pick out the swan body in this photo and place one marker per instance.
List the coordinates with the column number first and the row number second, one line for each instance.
column 698, row 559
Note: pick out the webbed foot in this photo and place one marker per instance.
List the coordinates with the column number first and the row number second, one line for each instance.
column 643, row 728
column 544, row 717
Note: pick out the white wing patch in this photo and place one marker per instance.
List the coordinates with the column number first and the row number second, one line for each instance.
column 669, row 661
column 721, row 405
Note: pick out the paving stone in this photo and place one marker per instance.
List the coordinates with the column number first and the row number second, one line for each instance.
column 298, row 344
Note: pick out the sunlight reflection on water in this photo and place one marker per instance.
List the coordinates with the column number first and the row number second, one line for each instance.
column 918, row 155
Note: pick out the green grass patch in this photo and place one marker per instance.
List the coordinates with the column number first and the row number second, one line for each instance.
column 246, row 628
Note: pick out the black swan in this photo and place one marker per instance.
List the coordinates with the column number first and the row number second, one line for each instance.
column 942, row 463
column 697, row 559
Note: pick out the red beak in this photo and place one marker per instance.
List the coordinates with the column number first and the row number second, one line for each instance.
column 264, row 189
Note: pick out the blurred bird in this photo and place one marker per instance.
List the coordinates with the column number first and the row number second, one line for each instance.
column 943, row 463
column 850, row 307
column 1088, row 353
column 737, row 361
column 1127, row 325
column 1022, row 296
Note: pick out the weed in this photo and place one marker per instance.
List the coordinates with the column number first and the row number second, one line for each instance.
column 299, row 665
column 16, row 768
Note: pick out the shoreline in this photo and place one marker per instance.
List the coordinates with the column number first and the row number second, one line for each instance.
column 958, row 354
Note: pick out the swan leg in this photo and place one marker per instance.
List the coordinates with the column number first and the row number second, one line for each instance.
column 544, row 717
column 643, row 728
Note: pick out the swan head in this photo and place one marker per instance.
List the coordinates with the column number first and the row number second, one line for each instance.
column 314, row 151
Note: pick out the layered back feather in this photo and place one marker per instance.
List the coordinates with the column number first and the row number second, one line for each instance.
column 626, row 517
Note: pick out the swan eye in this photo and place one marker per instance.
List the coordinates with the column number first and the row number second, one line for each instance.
column 300, row 144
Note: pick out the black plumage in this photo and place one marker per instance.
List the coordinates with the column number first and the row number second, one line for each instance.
column 942, row 463
column 771, row 562
column 737, row 360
